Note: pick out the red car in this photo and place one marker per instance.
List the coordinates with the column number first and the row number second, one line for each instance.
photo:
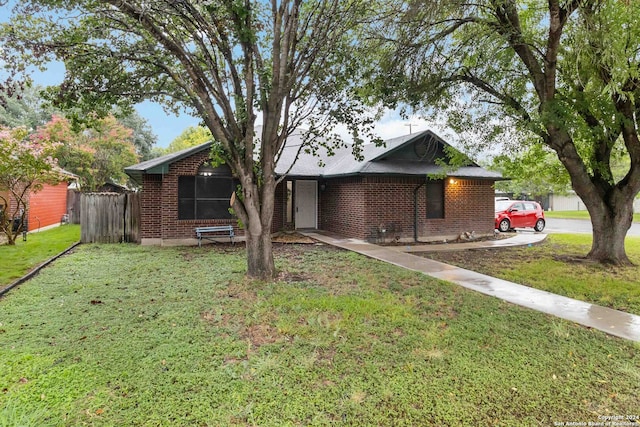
column 512, row 214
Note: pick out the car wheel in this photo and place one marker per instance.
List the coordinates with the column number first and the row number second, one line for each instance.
column 504, row 225
column 539, row 225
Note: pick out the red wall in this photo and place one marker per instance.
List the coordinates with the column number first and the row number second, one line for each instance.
column 47, row 206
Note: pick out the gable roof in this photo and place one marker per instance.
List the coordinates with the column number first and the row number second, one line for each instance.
column 391, row 158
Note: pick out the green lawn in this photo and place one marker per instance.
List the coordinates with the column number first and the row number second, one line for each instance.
column 578, row 215
column 19, row 259
column 125, row 335
column 557, row 266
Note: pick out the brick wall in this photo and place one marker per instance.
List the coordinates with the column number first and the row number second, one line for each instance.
column 376, row 208
column 151, row 207
column 469, row 206
column 343, row 208
column 390, row 206
column 159, row 217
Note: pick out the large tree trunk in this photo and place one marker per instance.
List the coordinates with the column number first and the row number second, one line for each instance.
column 258, row 217
column 610, row 205
column 610, row 208
column 610, row 221
column 260, row 264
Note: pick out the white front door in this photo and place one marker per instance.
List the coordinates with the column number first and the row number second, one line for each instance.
column 306, row 204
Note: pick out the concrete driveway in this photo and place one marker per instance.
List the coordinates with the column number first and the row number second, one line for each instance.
column 557, row 225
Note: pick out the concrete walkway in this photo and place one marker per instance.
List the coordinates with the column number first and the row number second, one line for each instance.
column 611, row 321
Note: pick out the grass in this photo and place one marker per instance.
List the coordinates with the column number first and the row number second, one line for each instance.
column 20, row 259
column 557, row 266
column 578, row 215
column 140, row 336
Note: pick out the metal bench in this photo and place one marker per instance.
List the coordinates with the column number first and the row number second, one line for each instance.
column 201, row 231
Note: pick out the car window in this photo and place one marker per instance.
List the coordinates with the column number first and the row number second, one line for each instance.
column 518, row 206
column 529, row 207
column 502, row 205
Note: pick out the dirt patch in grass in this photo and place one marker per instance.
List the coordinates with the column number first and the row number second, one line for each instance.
column 261, row 334
column 285, row 276
column 490, row 260
column 291, row 237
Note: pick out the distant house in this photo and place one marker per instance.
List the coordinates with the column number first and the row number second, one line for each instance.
column 112, row 187
column 46, row 207
column 390, row 194
column 571, row 202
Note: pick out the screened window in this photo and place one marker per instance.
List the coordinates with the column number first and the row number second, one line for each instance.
column 206, row 196
column 435, row 199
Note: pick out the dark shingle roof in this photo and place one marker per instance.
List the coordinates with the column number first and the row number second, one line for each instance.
column 376, row 160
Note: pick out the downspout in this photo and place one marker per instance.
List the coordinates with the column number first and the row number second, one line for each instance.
column 415, row 211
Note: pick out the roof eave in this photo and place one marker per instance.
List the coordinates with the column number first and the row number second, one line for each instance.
column 160, row 166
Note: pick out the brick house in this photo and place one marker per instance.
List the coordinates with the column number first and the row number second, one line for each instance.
column 390, row 193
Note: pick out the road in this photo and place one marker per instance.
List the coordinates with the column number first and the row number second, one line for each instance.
column 557, row 225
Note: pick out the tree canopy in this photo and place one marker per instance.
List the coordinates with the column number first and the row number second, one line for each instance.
column 25, row 108
column 30, row 107
column 142, row 137
column 536, row 171
column 563, row 74
column 97, row 154
column 190, row 137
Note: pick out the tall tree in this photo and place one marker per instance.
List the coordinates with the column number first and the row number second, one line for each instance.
column 97, row 154
column 25, row 107
column 563, row 71
column 226, row 61
column 190, row 137
column 142, row 137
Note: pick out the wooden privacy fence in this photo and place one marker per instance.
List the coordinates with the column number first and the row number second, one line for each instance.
column 73, row 206
column 109, row 217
